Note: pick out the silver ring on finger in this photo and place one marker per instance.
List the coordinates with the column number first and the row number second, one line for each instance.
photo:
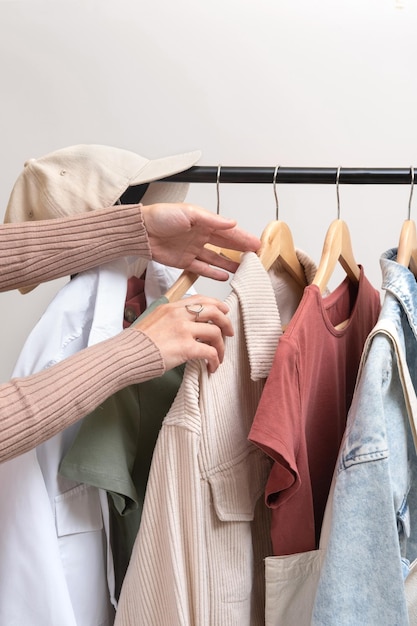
column 196, row 309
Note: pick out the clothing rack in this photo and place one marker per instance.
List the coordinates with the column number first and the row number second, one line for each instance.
column 295, row 175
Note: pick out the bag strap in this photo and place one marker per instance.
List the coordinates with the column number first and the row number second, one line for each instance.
column 386, row 327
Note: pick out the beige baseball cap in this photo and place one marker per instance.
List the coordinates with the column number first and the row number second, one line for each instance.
column 86, row 177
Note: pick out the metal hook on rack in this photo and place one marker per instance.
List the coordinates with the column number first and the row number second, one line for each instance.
column 411, row 191
column 337, row 192
column 219, row 167
column 274, row 181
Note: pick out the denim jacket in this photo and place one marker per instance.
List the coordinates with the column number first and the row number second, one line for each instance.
column 373, row 532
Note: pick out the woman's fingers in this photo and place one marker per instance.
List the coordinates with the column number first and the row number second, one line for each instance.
column 193, row 328
column 209, row 312
column 213, row 265
column 178, row 233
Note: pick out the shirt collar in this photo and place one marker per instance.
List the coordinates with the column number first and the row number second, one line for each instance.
column 399, row 281
column 260, row 294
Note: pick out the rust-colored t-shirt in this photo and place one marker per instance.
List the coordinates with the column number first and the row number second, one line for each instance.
column 302, row 413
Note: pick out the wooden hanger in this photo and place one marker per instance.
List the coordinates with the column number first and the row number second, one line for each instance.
column 277, row 244
column 337, row 248
column 187, row 279
column 180, row 287
column 407, row 246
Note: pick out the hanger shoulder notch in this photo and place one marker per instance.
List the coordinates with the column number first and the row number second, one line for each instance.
column 277, row 243
column 337, row 248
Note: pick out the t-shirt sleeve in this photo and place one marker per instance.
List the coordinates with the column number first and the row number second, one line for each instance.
column 276, row 426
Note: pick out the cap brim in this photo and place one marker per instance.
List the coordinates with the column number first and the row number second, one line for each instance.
column 167, row 166
column 165, row 192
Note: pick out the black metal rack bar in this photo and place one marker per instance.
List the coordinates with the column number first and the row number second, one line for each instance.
column 294, row 175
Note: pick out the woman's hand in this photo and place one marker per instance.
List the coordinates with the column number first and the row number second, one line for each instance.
column 178, row 232
column 192, row 328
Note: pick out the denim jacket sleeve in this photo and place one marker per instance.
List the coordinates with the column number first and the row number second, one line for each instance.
column 370, row 541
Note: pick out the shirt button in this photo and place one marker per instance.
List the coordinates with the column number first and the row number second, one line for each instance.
column 130, row 315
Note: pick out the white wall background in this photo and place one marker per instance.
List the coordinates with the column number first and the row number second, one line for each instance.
column 289, row 82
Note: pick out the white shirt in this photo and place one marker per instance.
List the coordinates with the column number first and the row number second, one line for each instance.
column 55, row 565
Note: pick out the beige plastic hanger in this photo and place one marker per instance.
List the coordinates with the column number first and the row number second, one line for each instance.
column 277, row 244
column 407, row 247
column 186, row 279
column 337, row 248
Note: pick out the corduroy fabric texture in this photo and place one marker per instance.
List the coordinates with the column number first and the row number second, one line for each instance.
column 199, row 555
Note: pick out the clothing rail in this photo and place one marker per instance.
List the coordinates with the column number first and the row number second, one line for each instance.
column 296, row 175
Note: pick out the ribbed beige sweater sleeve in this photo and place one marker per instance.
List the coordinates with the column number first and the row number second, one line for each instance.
column 35, row 252
column 34, row 408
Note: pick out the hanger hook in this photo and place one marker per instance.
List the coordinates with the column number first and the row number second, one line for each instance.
column 274, row 181
column 337, row 192
column 411, row 191
column 219, row 167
